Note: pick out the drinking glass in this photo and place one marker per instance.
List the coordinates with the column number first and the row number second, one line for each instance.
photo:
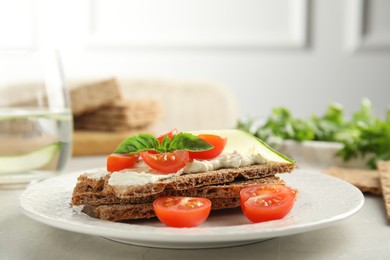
column 35, row 116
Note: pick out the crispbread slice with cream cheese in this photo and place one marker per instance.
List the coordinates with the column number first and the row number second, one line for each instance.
column 128, row 194
column 195, row 180
column 115, row 209
column 94, row 196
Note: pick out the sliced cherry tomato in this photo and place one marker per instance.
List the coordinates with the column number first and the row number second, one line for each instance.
column 182, row 211
column 170, row 134
column 166, row 162
column 117, row 162
column 216, row 141
column 266, row 201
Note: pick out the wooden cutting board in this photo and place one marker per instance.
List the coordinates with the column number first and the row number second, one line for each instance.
column 99, row 143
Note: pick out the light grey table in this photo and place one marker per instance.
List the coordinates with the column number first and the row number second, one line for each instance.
column 365, row 235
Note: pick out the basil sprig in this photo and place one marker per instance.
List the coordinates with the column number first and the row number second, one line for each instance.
column 146, row 142
column 361, row 135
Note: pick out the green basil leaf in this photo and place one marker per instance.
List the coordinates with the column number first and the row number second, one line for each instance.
column 138, row 143
column 189, row 142
column 145, row 142
column 164, row 146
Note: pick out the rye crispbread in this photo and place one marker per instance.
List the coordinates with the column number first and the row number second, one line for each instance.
column 384, row 169
column 85, row 97
column 194, row 180
column 366, row 180
column 92, row 96
column 91, row 192
column 121, row 116
column 222, row 187
column 120, row 212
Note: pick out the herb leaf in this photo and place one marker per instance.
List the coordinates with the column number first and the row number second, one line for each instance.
column 362, row 135
column 187, row 141
column 165, row 143
column 138, row 143
column 146, row 142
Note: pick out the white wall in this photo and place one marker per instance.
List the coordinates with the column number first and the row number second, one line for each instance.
column 296, row 53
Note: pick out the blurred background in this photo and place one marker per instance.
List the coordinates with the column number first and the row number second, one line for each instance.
column 300, row 54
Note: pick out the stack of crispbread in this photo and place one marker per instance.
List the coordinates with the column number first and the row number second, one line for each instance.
column 90, row 97
column 103, row 116
column 119, row 202
column 121, row 116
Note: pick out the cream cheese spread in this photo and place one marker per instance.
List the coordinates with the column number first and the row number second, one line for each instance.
column 139, row 175
column 96, row 174
column 142, row 174
column 227, row 160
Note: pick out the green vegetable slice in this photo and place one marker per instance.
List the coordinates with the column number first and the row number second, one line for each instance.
column 243, row 142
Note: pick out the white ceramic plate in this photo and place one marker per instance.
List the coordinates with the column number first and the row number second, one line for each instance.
column 322, row 201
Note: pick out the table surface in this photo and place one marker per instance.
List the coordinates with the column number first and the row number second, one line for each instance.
column 365, row 235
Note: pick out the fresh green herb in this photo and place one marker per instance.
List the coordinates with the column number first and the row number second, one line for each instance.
column 147, row 142
column 362, row 135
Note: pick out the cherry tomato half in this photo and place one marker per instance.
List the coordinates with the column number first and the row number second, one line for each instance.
column 182, row 211
column 218, row 142
column 266, row 201
column 170, row 134
column 166, row 162
column 117, row 162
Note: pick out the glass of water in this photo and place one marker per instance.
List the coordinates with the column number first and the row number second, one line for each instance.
column 35, row 116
